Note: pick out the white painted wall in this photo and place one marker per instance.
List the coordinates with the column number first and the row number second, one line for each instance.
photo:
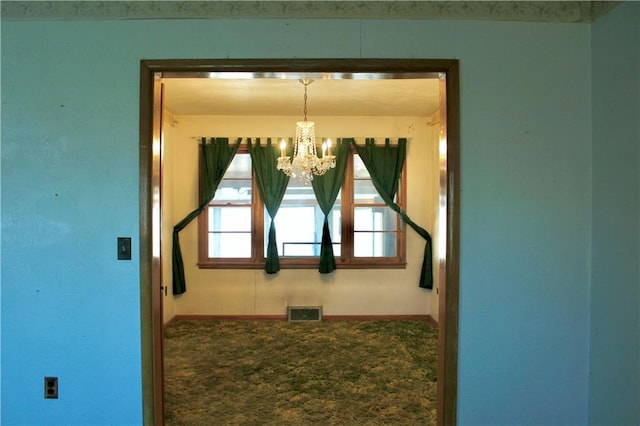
column 344, row 292
column 167, row 176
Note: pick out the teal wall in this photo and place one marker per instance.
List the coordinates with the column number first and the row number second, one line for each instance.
column 614, row 382
column 70, row 188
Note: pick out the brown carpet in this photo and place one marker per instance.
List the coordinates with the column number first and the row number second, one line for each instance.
column 314, row 373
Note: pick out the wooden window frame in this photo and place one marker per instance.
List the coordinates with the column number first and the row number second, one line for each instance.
column 345, row 261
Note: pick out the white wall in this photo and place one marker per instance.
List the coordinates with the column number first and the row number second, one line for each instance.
column 343, row 292
column 167, row 176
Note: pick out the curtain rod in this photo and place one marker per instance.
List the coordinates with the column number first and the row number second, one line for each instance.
column 244, row 138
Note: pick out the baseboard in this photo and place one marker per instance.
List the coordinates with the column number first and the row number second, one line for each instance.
column 229, row 317
column 168, row 323
column 417, row 317
column 375, row 317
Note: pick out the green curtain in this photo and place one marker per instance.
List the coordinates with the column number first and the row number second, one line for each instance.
column 215, row 158
column 326, row 188
column 272, row 184
column 384, row 163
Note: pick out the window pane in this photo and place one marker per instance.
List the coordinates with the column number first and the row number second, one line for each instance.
column 295, row 230
column 236, row 245
column 233, row 191
column 240, row 167
column 374, row 244
column 359, row 169
column 374, row 219
column 298, row 193
column 365, row 192
column 235, row 187
column 335, row 228
column 229, row 219
column 299, row 223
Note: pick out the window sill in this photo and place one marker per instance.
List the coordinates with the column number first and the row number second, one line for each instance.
column 306, row 263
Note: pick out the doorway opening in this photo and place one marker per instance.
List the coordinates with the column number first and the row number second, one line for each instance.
column 152, row 290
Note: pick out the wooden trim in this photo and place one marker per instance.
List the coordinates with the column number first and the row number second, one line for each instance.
column 416, row 317
column 449, row 293
column 394, row 66
column 168, row 323
column 257, row 216
column 150, row 293
column 433, row 321
column 196, row 317
column 151, row 323
column 148, row 323
column 156, row 218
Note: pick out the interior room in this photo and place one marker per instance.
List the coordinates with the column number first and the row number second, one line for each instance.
column 220, row 286
column 270, row 107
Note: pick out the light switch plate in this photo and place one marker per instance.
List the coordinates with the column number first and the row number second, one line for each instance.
column 124, row 248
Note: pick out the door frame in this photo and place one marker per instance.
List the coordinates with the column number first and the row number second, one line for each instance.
column 149, row 174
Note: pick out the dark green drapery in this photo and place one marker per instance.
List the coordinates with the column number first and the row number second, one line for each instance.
column 326, row 188
column 215, row 158
column 384, row 163
column 272, row 184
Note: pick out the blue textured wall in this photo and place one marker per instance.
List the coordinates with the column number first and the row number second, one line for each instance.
column 70, row 188
column 614, row 379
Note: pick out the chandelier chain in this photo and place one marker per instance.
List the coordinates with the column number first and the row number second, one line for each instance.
column 304, row 110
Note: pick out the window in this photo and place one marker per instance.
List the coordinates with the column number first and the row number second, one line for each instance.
column 300, row 209
column 365, row 232
column 229, row 214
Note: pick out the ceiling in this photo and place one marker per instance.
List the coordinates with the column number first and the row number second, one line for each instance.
column 285, row 96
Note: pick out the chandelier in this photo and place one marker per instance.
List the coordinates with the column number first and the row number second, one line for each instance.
column 305, row 163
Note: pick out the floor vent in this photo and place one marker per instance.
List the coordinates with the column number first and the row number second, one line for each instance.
column 304, row 313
